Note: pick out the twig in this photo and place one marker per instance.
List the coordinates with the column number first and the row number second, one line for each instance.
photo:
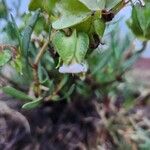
column 37, row 89
column 58, row 88
column 144, row 45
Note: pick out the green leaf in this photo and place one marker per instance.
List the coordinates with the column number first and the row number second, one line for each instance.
column 3, row 9
column 27, row 33
column 16, row 31
column 140, row 22
column 100, row 4
column 99, row 26
column 134, row 24
column 42, row 74
column 65, row 46
column 143, row 14
column 105, row 57
column 85, row 26
column 17, row 64
column 111, row 3
column 5, row 56
column 33, row 104
column 71, row 48
column 41, row 25
column 9, row 29
column 16, row 93
column 94, row 4
column 46, row 5
column 35, row 4
column 82, row 46
column 72, row 12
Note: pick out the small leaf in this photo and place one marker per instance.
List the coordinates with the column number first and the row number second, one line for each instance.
column 33, row 104
column 17, row 64
column 5, row 56
column 99, row 26
column 43, row 75
column 3, row 9
column 16, row 93
column 134, row 24
column 72, row 12
column 82, row 46
column 16, row 31
column 27, row 33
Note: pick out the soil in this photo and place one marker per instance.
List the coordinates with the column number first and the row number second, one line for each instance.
column 53, row 126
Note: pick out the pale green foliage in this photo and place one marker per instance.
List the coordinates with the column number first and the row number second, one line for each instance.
column 46, row 5
column 72, row 48
column 71, row 13
column 140, row 21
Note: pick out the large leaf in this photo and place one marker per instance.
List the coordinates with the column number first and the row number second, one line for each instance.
column 100, row 4
column 71, row 48
column 46, row 5
column 65, row 46
column 94, row 4
column 5, row 56
column 72, row 12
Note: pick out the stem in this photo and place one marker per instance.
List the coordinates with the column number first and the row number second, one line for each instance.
column 41, row 52
column 37, row 89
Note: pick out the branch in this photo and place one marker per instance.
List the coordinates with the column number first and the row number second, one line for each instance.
column 37, row 89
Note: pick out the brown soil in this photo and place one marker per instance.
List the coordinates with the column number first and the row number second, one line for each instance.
column 53, row 126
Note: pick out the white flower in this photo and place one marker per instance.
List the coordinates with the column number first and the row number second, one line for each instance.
column 73, row 68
